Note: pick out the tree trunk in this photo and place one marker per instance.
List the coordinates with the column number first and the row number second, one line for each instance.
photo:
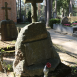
column 20, row 9
column 45, row 4
column 1, row 60
column 39, row 9
column 70, row 7
column 51, row 8
column 63, row 12
column 48, row 12
column 56, row 7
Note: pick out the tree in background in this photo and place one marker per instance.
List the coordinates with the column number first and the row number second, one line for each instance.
column 29, row 16
column 63, row 4
column 39, row 9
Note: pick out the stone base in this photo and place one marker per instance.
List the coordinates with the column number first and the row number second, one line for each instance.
column 61, row 71
column 33, row 49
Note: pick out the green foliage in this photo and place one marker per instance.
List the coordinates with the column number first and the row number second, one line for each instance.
column 53, row 21
column 2, row 50
column 74, row 22
column 8, row 46
column 63, row 4
column 9, row 67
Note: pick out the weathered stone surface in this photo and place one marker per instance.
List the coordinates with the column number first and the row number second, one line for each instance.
column 31, row 57
column 33, row 8
column 33, row 33
column 8, row 30
column 65, row 21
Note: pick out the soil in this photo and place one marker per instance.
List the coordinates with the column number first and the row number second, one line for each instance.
column 5, row 44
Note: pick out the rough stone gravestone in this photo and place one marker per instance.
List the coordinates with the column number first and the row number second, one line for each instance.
column 65, row 21
column 33, row 49
column 7, row 27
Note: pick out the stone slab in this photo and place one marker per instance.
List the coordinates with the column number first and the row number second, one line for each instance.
column 8, row 30
column 63, row 29
column 32, row 56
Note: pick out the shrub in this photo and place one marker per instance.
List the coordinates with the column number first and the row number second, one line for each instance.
column 74, row 22
column 53, row 21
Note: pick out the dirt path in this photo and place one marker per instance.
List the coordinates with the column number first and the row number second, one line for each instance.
column 4, row 44
column 68, row 46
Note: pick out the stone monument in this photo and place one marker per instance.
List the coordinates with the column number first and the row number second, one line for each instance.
column 65, row 21
column 70, row 15
column 7, row 27
column 33, row 8
column 54, row 14
column 34, row 48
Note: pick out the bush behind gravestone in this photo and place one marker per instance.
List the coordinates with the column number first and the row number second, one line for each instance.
column 53, row 21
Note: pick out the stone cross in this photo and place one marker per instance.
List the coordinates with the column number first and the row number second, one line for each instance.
column 34, row 8
column 6, row 10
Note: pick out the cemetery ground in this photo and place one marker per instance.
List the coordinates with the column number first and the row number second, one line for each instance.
column 65, row 45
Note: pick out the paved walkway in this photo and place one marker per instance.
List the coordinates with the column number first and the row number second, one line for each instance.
column 68, row 43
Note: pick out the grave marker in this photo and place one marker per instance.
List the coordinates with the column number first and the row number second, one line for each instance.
column 33, row 8
column 33, row 49
column 6, row 10
column 7, row 27
column 1, row 59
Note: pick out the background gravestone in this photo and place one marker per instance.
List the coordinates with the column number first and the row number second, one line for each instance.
column 65, row 21
column 70, row 14
column 33, row 8
column 8, row 29
column 33, row 49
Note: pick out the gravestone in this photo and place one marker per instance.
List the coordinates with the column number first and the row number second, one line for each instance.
column 7, row 27
column 54, row 14
column 33, row 49
column 33, row 8
column 65, row 21
column 70, row 15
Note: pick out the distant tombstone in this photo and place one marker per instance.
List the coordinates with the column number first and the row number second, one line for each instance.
column 65, row 21
column 33, row 49
column 23, row 18
column 8, row 29
column 70, row 15
column 54, row 15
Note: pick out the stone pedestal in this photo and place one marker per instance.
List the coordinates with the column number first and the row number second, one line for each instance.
column 8, row 30
column 33, row 49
